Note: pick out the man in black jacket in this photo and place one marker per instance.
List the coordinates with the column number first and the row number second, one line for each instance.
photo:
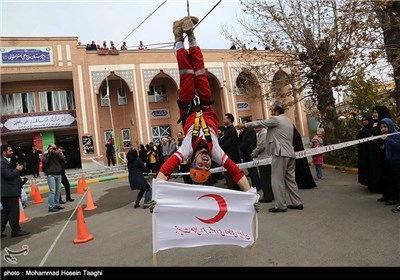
column 53, row 161
column 10, row 193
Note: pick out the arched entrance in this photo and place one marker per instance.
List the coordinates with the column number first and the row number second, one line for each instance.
column 249, row 98
column 117, row 114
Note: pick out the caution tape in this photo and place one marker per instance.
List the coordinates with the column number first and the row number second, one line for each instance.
column 299, row 154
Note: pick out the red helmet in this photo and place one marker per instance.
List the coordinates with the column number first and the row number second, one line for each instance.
column 198, row 175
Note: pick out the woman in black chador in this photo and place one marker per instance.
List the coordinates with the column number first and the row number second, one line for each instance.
column 304, row 178
column 363, row 162
column 380, row 176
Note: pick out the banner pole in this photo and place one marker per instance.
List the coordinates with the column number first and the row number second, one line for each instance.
column 155, row 259
column 253, row 248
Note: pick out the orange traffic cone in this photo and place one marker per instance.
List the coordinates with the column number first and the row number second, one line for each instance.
column 83, row 181
column 79, row 188
column 37, row 198
column 22, row 217
column 32, row 191
column 83, row 235
column 89, row 202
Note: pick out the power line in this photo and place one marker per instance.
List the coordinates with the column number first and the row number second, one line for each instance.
column 142, row 22
column 167, row 44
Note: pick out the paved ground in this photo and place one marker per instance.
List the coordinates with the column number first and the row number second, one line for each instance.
column 341, row 225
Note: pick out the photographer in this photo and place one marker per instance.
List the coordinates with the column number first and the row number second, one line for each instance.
column 53, row 161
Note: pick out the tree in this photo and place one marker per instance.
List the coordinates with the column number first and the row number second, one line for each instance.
column 388, row 13
column 322, row 42
column 364, row 93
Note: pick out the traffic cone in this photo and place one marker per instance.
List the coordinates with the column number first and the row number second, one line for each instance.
column 79, row 188
column 83, row 235
column 89, row 201
column 83, row 181
column 32, row 191
column 37, row 198
column 22, row 217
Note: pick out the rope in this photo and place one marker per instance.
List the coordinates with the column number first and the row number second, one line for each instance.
column 187, row 7
column 142, row 22
column 172, row 43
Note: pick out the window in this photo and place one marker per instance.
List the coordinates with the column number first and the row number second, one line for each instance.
column 126, row 138
column 240, row 91
column 160, row 132
column 108, row 135
column 157, row 93
column 105, row 100
column 122, row 96
column 56, row 100
column 17, row 103
column 245, row 119
column 28, row 102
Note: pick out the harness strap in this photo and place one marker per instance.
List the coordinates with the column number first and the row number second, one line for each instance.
column 200, row 123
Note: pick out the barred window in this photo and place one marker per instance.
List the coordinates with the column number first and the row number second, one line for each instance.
column 105, row 100
column 159, row 132
column 126, row 138
column 122, row 100
column 157, row 93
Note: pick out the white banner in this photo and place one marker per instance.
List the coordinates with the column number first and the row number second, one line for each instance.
column 195, row 215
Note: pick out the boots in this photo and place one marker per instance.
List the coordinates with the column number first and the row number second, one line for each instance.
column 177, row 29
column 188, row 23
column 190, row 35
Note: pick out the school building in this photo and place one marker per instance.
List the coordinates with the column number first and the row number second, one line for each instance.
column 53, row 90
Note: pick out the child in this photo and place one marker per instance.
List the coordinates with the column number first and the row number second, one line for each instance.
column 318, row 160
column 392, row 151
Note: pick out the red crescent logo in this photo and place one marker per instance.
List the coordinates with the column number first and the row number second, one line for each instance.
column 222, row 209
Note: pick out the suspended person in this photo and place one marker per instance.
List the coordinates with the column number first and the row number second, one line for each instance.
column 199, row 121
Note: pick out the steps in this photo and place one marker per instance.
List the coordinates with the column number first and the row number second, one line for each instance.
column 73, row 174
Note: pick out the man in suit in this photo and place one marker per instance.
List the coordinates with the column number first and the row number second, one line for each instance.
column 230, row 146
column 280, row 135
column 10, row 193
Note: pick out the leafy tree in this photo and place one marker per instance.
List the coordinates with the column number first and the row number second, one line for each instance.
column 322, row 43
column 364, row 93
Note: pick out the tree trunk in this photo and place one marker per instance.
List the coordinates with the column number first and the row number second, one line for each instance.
column 388, row 14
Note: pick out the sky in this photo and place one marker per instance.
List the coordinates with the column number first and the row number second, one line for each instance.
column 115, row 20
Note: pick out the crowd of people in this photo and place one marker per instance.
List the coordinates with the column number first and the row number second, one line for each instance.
column 94, row 47
column 203, row 145
column 379, row 160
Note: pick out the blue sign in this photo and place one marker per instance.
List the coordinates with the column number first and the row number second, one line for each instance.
column 243, row 105
column 26, row 56
column 161, row 113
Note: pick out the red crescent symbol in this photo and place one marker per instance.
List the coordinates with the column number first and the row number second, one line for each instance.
column 222, row 209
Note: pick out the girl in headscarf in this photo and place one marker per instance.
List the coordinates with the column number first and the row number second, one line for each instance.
column 392, row 152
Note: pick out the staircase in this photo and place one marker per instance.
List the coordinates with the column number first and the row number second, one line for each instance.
column 90, row 174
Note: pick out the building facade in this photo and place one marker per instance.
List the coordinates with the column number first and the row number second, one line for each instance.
column 55, row 91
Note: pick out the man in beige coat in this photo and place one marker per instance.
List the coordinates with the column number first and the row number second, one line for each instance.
column 261, row 152
column 280, row 137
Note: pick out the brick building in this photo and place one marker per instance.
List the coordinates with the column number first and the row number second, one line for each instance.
column 55, row 91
